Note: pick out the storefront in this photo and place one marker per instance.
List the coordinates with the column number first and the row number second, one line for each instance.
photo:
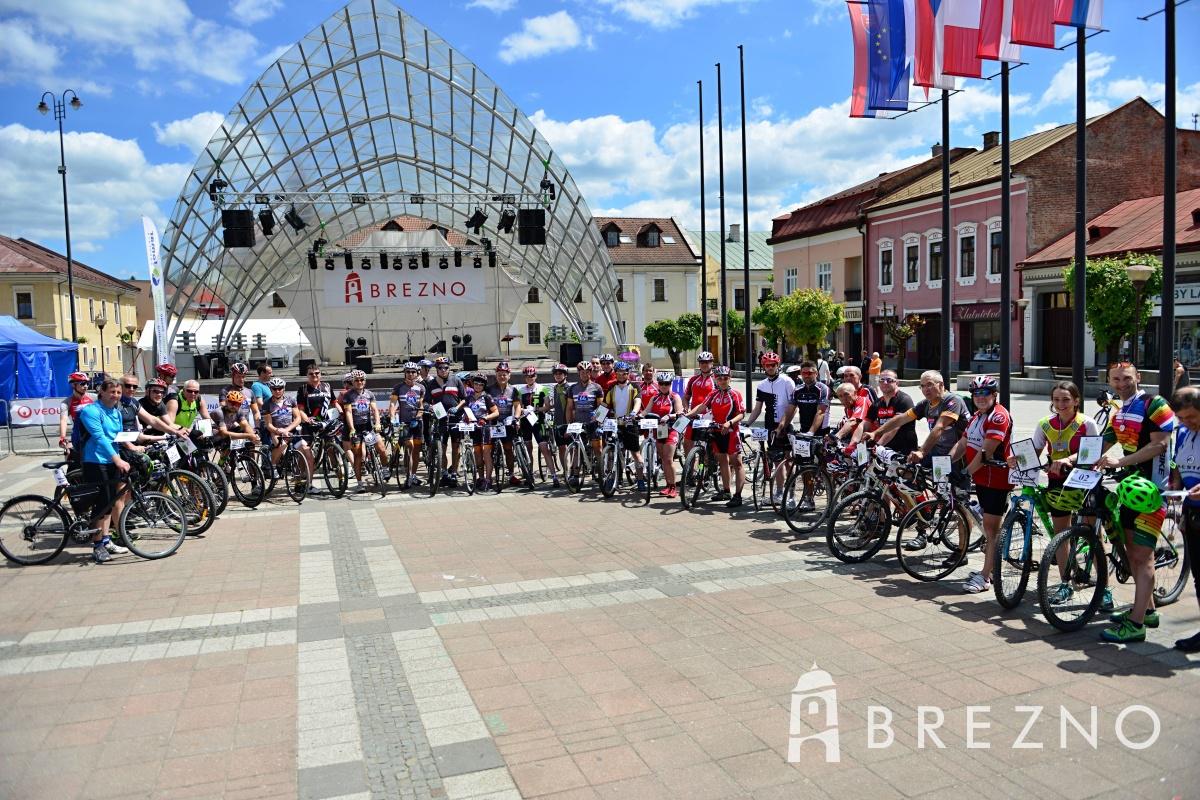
column 978, row 336
column 1187, row 326
column 851, row 338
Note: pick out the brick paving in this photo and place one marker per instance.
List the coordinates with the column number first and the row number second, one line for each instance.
column 546, row 645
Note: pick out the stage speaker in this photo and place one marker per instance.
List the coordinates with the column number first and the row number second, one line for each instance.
column 470, row 362
column 238, row 237
column 531, row 226
column 461, row 351
column 353, row 353
column 364, row 363
column 305, row 363
column 202, row 366
column 570, row 353
column 239, row 227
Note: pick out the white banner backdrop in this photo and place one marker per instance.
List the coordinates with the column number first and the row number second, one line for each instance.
column 35, row 411
column 150, row 231
column 420, row 287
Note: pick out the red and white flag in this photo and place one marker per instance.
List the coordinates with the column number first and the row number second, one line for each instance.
column 958, row 27
column 1033, row 22
column 928, row 45
column 995, row 32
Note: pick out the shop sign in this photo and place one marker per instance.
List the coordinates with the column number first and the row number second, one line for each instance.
column 979, row 312
column 1187, row 300
column 854, row 315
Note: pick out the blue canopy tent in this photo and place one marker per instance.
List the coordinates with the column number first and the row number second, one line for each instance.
column 32, row 365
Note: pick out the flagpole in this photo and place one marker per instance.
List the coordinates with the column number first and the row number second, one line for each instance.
column 721, row 168
column 703, row 233
column 947, row 241
column 1080, row 292
column 1166, row 320
column 1005, row 244
column 745, row 231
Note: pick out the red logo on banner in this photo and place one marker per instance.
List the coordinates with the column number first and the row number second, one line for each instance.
column 354, row 287
column 24, row 412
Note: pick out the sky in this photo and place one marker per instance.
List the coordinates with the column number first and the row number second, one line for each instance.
column 611, row 84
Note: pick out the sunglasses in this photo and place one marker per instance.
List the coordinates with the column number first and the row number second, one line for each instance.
column 981, row 392
column 443, row 366
column 887, row 380
column 190, row 391
column 156, row 390
column 315, row 372
column 273, row 389
column 133, row 386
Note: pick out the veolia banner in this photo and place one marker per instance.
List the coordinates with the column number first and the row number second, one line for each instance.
column 156, row 292
column 421, row 287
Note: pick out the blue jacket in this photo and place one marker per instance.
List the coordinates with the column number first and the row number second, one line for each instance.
column 102, row 425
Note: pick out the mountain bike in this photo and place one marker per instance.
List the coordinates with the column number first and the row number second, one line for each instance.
column 241, row 468
column 861, row 523
column 654, row 430
column 818, row 465
column 1025, row 533
column 580, row 460
column 935, row 535
column 192, row 491
column 199, row 462
column 373, row 469
column 503, row 470
column 329, row 460
column 700, row 469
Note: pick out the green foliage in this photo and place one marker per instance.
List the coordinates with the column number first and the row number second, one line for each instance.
column 676, row 335
column 766, row 315
column 1111, row 297
column 735, row 322
column 809, row 316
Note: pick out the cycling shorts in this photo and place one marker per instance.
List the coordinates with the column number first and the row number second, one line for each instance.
column 538, row 432
column 106, row 476
column 410, row 431
column 726, row 443
column 992, row 501
column 1144, row 529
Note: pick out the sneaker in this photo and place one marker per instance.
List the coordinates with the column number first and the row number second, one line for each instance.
column 641, row 485
column 721, row 495
column 555, row 483
column 1189, row 645
column 919, row 542
column 1062, row 594
column 100, row 555
column 806, row 505
column 1150, row 620
column 1126, row 631
column 976, row 583
column 112, row 547
column 776, row 498
column 514, row 481
column 669, row 492
column 1107, row 603
column 734, row 502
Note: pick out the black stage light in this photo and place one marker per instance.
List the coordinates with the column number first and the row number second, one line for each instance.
column 476, row 220
column 348, row 257
column 477, row 262
column 416, row 199
column 412, row 262
column 443, row 262
column 293, row 218
column 215, row 187
column 349, row 341
column 262, row 199
column 358, row 199
column 466, row 338
column 458, row 258
column 397, row 262
column 362, row 342
column 507, row 218
column 266, row 219
column 456, row 339
column 547, row 187
column 383, row 260
column 425, row 259
column 312, row 260
column 319, row 245
column 329, row 263
column 492, row 259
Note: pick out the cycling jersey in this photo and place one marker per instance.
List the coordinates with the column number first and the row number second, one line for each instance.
column 188, row 413
column 480, row 403
column 449, row 394
column 1131, row 427
column 951, row 405
column 905, row 440
column 585, row 397
column 620, row 399
column 314, row 399
column 359, row 401
column 724, row 405
column 648, row 391
column 560, row 392
column 260, row 391
column 505, row 400
column 859, row 411
column 534, row 396
column 775, row 394
column 70, row 407
column 605, row 380
column 1187, row 460
column 154, row 409
column 231, row 388
column 129, row 413
column 1062, row 438
column 996, row 425
column 698, row 388
column 808, row 400
column 661, row 404
column 231, row 422
column 280, row 411
column 409, row 400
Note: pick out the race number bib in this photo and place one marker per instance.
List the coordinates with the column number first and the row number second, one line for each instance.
column 204, row 427
column 237, row 444
column 395, row 420
column 498, row 431
column 466, row 427
column 466, row 410
column 439, row 411
column 126, row 437
column 369, row 437
column 609, row 426
column 186, row 446
column 681, row 424
column 600, row 414
column 1090, row 449
column 331, row 413
column 941, row 469
column 648, row 424
column 802, row 448
column 1085, row 479
column 531, row 416
column 860, row 453
column 702, row 423
column 60, row 476
column 574, row 428
column 172, row 455
column 759, row 434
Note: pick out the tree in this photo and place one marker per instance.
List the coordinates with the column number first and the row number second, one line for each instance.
column 1110, row 298
column 736, row 325
column 808, row 317
column 675, row 336
column 766, row 317
column 900, row 332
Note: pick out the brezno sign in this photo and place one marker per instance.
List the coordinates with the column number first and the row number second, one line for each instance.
column 420, row 287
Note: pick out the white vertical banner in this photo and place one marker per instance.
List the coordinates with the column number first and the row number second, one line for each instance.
column 156, row 292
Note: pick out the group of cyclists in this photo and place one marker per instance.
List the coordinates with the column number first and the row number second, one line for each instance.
column 488, row 413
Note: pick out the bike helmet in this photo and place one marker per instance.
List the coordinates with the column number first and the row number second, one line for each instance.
column 606, row 358
column 441, row 361
column 704, row 355
column 277, row 383
column 166, row 369
column 585, row 365
column 346, row 379
column 792, row 371
column 234, row 397
column 1139, row 494
column 621, row 366
column 409, row 366
column 529, row 369
column 722, row 371
column 77, row 377
column 238, row 368
column 985, row 382
column 477, row 377
column 503, row 367
column 1062, row 499
column 357, row 375
column 424, row 362
column 156, row 383
column 664, row 377
column 770, row 359
column 560, row 368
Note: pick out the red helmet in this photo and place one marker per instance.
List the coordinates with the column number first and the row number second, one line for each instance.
column 156, row 383
column 76, row 377
column 770, row 359
column 166, row 369
column 529, row 369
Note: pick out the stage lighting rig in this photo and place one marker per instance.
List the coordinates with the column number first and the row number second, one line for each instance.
column 476, row 220
column 508, row 218
column 293, row 218
column 266, row 219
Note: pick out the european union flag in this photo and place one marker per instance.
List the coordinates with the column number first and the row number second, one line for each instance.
column 887, row 66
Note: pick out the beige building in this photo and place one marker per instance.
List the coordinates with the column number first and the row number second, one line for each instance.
column 658, row 277
column 33, row 288
column 761, row 281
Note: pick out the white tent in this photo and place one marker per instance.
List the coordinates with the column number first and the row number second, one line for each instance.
column 284, row 338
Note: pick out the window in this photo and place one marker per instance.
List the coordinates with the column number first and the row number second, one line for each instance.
column 995, row 260
column 92, row 315
column 790, row 280
column 739, row 299
column 935, row 260
column 23, row 300
column 117, row 309
column 107, row 354
column 276, row 301
column 885, row 268
column 534, row 296
column 534, row 335
column 612, row 237
column 652, row 238
column 825, row 276
column 912, row 264
column 620, row 290
column 104, row 309
column 660, row 290
column 764, row 292
column 966, row 257
column 579, row 296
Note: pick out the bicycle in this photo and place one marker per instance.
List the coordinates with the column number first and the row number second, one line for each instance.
column 939, row 533
column 328, row 457
column 860, row 523
column 700, row 467
column 615, row 460
column 293, row 469
column 580, row 463
column 34, row 529
column 193, row 493
column 816, row 463
column 1024, row 536
column 654, row 430
column 198, row 462
column 372, row 468
column 243, row 472
column 503, row 471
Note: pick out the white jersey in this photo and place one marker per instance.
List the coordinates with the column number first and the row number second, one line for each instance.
column 775, row 394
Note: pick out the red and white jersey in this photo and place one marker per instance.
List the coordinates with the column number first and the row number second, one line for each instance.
column 698, row 388
column 660, row 404
column 724, row 405
column 996, row 425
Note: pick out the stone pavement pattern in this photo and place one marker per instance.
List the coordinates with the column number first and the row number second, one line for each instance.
column 549, row 646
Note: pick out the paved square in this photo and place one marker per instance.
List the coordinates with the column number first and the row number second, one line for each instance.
column 546, row 645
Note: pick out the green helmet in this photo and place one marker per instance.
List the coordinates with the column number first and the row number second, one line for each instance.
column 1139, row 494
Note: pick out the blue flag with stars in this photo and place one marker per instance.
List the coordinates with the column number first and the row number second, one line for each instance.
column 887, row 66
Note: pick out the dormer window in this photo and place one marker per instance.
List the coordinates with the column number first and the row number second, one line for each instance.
column 652, row 239
column 612, row 235
column 650, row 236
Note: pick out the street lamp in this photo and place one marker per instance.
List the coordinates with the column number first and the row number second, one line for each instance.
column 129, row 330
column 1139, row 273
column 1021, row 303
column 60, row 113
column 100, row 322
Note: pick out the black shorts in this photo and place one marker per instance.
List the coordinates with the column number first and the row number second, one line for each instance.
column 724, row 443
column 106, row 493
column 537, row 432
column 628, row 434
column 560, row 435
column 992, row 501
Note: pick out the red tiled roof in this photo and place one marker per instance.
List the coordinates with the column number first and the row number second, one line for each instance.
column 680, row 252
column 23, row 257
column 408, row 223
column 1132, row 226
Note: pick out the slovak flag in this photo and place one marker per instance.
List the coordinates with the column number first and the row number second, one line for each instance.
column 859, row 30
column 1079, row 13
column 929, row 19
column 1033, row 22
column 958, row 28
column 995, row 32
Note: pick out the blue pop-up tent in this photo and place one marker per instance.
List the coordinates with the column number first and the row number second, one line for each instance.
column 32, row 365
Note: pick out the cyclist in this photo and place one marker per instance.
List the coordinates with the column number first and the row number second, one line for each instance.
column 697, row 388
column 484, row 410
column 624, row 402
column 69, row 410
column 186, row 408
column 154, row 402
column 426, row 367
column 448, row 390
column 809, row 403
column 167, row 374
column 537, row 398
column 645, row 382
column 944, row 412
column 854, row 424
column 1060, row 434
column 595, row 366
column 404, row 409
column 231, row 421
column 606, row 377
column 361, row 412
column 891, row 403
column 727, row 408
column 987, row 439
column 853, row 376
column 237, row 381
column 136, row 418
column 314, row 397
column 1142, row 427
column 666, row 405
column 585, row 397
column 1186, row 404
column 282, row 416
column 103, row 466
column 261, row 388
column 771, row 398
column 508, row 405
column 560, row 396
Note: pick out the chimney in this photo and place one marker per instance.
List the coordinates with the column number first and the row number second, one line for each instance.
column 735, row 233
column 991, row 139
column 937, row 149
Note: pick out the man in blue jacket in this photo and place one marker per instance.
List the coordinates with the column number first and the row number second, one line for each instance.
column 103, row 466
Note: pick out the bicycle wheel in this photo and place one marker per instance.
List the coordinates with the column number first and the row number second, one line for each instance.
column 1086, row 569
column 214, row 476
column 297, row 478
column 333, row 470
column 577, row 466
column 434, row 452
column 760, row 483
column 932, row 540
column 33, row 529
column 858, row 527
column 650, row 467
column 523, row 463
column 373, row 469
column 470, row 471
column 1171, row 564
column 247, row 481
column 196, row 498
column 610, row 468
column 161, row 525
column 693, row 478
column 1014, row 556
column 269, row 473
column 806, row 497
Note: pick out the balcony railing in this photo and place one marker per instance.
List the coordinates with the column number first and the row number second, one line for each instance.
column 853, row 295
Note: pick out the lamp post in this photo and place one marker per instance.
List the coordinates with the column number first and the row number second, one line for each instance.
column 1138, row 273
column 60, row 113
column 130, row 329
column 1021, row 304
column 100, row 322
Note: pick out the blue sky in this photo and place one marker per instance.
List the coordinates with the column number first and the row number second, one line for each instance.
column 610, row 83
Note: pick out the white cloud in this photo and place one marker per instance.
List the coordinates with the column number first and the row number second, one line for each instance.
column 193, row 133
column 540, row 36
column 23, row 50
column 248, row 12
column 499, row 6
column 665, row 13
column 1062, row 85
column 155, row 33
column 111, row 185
